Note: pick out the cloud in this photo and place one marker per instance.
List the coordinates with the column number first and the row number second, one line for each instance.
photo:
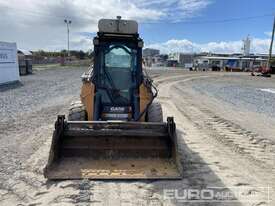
column 175, row 10
column 39, row 24
column 268, row 33
column 184, row 45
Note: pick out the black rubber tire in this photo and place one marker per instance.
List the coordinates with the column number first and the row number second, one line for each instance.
column 77, row 112
column 154, row 113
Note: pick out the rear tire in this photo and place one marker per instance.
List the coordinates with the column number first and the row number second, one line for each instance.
column 77, row 112
column 154, row 113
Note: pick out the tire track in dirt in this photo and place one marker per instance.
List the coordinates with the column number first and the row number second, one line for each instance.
column 257, row 149
column 249, row 174
column 254, row 154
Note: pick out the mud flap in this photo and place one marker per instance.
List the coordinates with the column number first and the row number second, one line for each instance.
column 113, row 150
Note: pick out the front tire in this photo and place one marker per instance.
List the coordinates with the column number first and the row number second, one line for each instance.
column 77, row 112
column 154, row 113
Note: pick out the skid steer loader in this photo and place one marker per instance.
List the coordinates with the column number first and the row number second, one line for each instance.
column 115, row 131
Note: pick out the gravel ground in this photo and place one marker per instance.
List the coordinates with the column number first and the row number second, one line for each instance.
column 242, row 91
column 220, row 146
column 36, row 91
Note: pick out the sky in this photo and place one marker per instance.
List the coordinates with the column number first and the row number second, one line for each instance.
column 217, row 26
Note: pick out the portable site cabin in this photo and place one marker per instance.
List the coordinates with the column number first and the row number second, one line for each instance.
column 9, row 71
column 24, row 61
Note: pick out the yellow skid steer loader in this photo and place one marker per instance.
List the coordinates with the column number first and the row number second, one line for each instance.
column 115, row 131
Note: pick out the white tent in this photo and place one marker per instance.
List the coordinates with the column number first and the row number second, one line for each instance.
column 9, row 71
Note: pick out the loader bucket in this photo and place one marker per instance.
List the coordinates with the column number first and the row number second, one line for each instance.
column 113, row 150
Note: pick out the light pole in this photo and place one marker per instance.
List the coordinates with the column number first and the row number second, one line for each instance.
column 68, row 22
column 271, row 44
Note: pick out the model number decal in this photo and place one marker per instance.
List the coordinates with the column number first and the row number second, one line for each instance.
column 117, row 109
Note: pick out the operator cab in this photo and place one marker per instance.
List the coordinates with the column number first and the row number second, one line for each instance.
column 117, row 70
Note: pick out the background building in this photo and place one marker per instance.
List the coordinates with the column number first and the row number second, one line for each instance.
column 182, row 59
column 229, row 62
column 150, row 52
column 152, row 57
column 246, row 46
